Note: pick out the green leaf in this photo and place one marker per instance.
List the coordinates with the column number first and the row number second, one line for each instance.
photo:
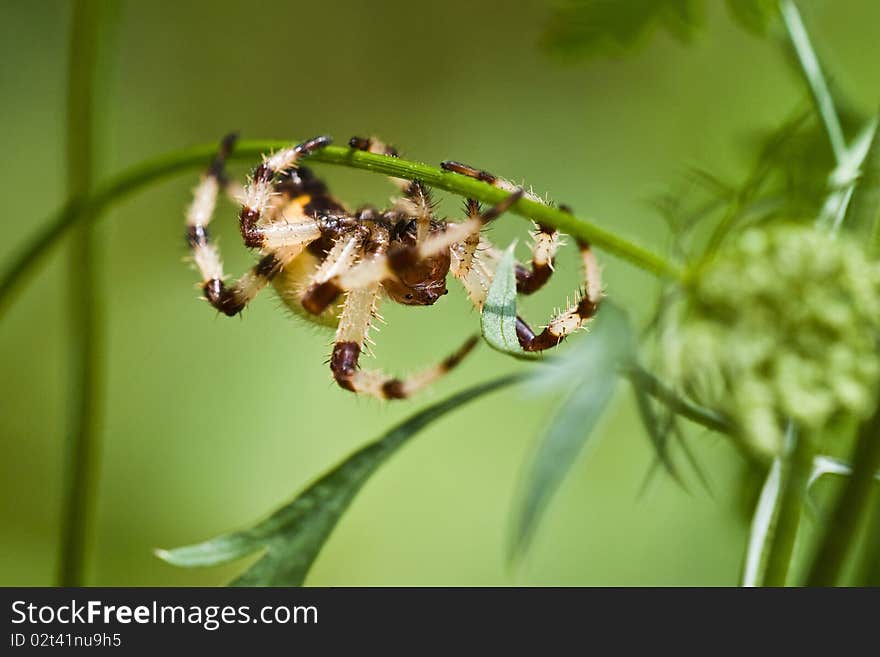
column 292, row 537
column 590, row 28
column 777, row 515
column 754, row 16
column 811, row 69
column 763, row 527
column 590, row 373
column 498, row 319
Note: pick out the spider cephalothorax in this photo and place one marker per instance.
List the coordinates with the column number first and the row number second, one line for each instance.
column 314, row 251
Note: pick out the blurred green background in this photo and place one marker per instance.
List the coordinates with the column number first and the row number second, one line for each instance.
column 210, row 423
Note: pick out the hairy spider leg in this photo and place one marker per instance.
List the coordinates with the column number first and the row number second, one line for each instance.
column 280, row 243
column 545, row 239
column 416, row 202
column 260, row 189
column 354, row 324
column 476, row 280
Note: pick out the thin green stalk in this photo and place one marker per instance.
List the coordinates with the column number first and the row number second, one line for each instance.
column 87, row 208
column 678, row 405
column 795, row 467
column 812, row 70
column 850, row 508
column 90, row 23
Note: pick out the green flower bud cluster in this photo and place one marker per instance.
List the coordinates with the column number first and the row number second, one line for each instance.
column 783, row 323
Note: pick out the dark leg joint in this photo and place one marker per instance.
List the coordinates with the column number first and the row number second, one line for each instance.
column 222, row 298
column 459, row 355
column 531, row 342
column 469, row 171
column 247, row 223
column 268, row 267
column 319, row 296
column 497, row 210
column 310, row 146
column 197, row 236
column 344, row 362
column 530, row 281
column 219, row 161
column 393, row 389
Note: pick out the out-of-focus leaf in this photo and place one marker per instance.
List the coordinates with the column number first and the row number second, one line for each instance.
column 823, row 465
column 587, row 28
column 591, row 373
column 292, row 537
column 811, row 69
column 658, row 431
column 754, row 16
column 498, row 319
column 777, row 515
column 763, row 526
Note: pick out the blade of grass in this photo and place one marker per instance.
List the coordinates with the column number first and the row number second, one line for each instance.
column 91, row 26
column 812, row 71
column 777, row 515
column 293, row 536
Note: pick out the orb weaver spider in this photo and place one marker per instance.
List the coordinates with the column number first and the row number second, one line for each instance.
column 313, row 250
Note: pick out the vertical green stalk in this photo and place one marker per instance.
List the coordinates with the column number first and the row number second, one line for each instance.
column 90, row 24
column 779, row 514
column 812, row 70
column 850, row 509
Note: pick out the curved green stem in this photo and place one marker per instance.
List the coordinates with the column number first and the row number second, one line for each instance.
column 91, row 22
column 86, row 208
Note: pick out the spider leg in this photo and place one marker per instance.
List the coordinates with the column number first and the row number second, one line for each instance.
column 280, row 242
column 573, row 317
column 341, row 257
column 545, row 239
column 476, row 279
column 416, row 201
column 354, row 324
column 258, row 193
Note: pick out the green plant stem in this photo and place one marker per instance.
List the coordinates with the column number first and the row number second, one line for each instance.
column 812, row 71
column 86, row 208
column 850, row 508
column 796, row 465
column 90, row 22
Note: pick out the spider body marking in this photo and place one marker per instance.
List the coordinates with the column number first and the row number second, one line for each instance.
column 315, row 252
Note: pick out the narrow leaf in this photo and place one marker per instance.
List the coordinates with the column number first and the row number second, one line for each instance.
column 777, row 516
column 293, row 536
column 498, row 319
column 823, row 465
column 815, row 78
column 591, row 374
column 763, row 527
